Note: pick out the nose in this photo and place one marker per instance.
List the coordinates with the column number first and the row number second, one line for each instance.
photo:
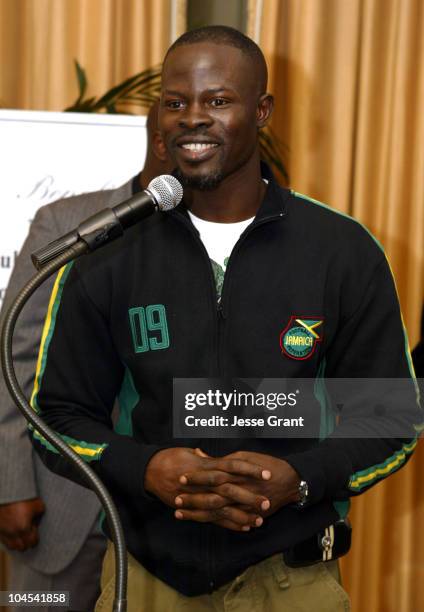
column 195, row 116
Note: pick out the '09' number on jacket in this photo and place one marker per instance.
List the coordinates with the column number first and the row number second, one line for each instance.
column 149, row 328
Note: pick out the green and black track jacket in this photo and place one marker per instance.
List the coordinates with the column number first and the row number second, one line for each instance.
column 132, row 316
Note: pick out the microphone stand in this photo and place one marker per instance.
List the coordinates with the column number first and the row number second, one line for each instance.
column 60, row 259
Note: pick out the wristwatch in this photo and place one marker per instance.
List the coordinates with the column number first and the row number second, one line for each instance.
column 303, row 493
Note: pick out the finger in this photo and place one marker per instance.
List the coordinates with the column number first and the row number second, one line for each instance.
column 31, row 539
column 202, row 501
column 40, row 508
column 222, row 469
column 227, row 512
column 200, row 516
column 211, row 501
column 233, row 526
column 208, row 478
column 241, row 467
column 240, row 495
column 240, row 517
column 15, row 543
column 27, row 538
column 250, row 509
column 200, row 453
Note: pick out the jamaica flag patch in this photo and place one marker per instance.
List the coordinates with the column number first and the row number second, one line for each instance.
column 299, row 339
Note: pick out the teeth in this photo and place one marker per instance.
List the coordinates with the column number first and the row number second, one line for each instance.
column 199, row 146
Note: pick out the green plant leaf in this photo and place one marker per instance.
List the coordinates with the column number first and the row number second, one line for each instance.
column 82, row 80
column 85, row 106
column 273, row 151
column 120, row 91
column 146, row 84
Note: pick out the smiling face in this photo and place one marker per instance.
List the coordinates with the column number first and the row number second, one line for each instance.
column 211, row 108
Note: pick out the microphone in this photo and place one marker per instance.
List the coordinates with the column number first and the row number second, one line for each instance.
column 163, row 193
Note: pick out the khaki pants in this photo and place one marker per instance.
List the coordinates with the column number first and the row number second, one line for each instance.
column 269, row 586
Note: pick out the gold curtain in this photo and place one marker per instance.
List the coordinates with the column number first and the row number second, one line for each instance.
column 349, row 83
column 111, row 39
column 348, row 77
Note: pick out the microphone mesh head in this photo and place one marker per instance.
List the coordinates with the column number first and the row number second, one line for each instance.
column 167, row 191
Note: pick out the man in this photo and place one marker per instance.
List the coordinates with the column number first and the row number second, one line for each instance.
column 48, row 524
column 207, row 290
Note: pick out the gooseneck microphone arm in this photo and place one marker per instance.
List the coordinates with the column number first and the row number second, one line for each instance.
column 30, row 415
column 90, row 235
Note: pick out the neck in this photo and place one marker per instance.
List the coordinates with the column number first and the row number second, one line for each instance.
column 236, row 198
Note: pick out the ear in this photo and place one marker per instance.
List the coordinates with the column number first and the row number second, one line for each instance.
column 158, row 146
column 264, row 109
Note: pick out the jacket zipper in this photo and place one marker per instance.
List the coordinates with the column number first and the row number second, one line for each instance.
column 212, row 447
column 234, row 252
column 220, row 316
column 215, row 442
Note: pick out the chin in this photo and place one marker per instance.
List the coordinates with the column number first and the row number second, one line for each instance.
column 205, row 182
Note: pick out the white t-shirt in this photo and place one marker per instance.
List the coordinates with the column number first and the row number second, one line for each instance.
column 219, row 240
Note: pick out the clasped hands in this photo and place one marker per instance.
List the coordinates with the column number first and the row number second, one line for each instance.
column 236, row 491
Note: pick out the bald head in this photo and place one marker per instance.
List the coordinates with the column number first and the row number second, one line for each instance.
column 224, row 35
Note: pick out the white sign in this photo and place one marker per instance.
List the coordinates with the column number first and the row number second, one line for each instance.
column 47, row 156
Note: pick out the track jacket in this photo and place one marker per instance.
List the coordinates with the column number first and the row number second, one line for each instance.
column 132, row 316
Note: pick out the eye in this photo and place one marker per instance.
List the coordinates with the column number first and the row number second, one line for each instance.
column 219, row 102
column 174, row 104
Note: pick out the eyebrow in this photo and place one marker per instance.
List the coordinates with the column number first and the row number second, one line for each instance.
column 172, row 92
column 214, row 90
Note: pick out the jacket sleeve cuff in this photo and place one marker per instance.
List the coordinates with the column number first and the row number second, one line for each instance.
column 326, row 474
column 123, row 465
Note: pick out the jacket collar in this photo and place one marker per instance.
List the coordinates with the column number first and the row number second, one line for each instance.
column 273, row 205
